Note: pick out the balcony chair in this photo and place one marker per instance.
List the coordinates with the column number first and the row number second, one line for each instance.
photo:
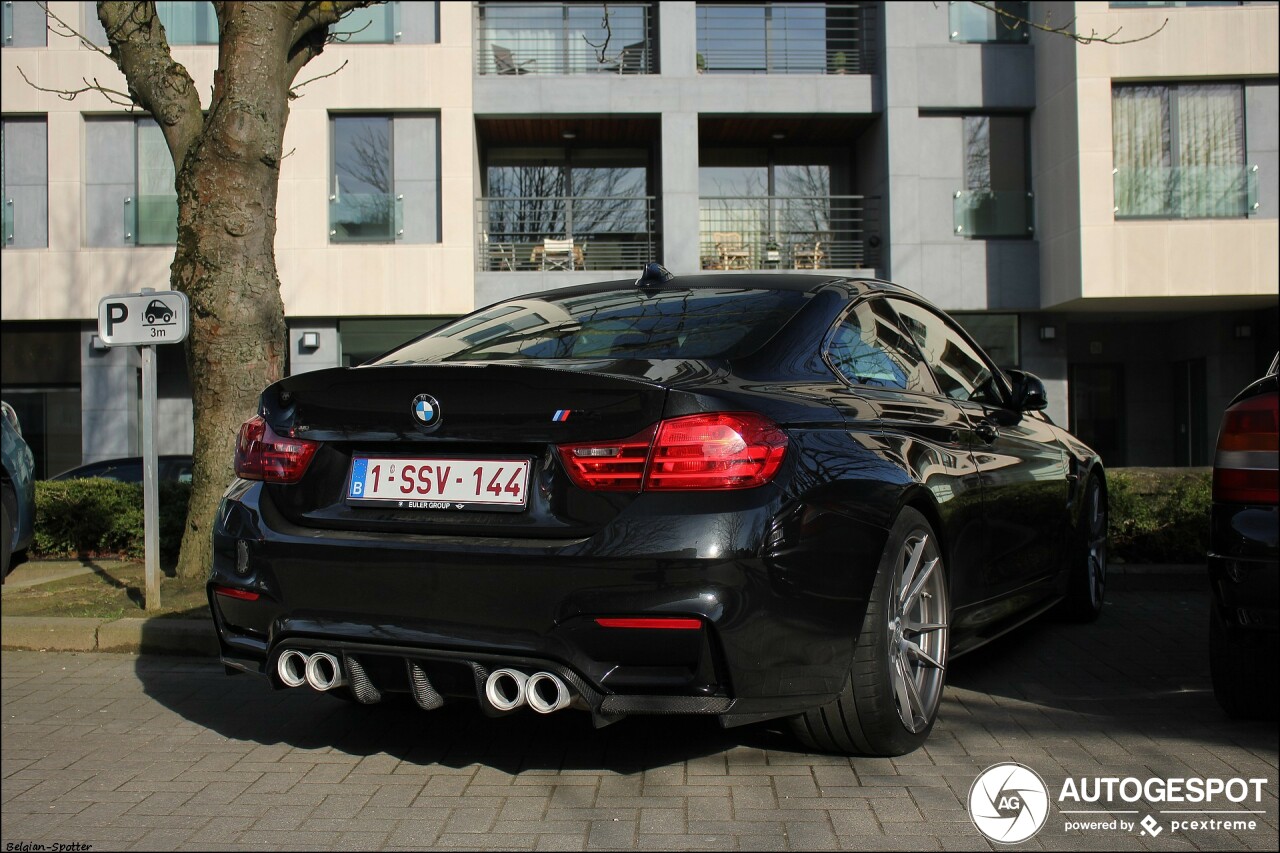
column 560, row 255
column 807, row 256
column 505, row 63
column 499, row 255
column 731, row 251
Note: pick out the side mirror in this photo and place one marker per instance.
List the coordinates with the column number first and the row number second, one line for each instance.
column 1028, row 392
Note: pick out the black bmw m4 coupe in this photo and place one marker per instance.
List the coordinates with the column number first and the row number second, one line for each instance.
column 757, row 496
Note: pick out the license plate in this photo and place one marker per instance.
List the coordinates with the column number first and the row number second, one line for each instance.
column 424, row 483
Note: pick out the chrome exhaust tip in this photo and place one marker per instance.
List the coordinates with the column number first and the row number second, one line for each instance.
column 546, row 692
column 505, row 689
column 324, row 672
column 291, row 666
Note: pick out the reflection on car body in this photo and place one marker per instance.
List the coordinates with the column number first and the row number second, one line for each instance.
column 752, row 496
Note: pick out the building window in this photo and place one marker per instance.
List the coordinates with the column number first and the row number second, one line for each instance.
column 385, row 179
column 1180, row 152
column 130, row 198
column 596, row 198
column 996, row 199
column 24, row 24
column 785, row 38
column 389, row 23
column 565, row 38
column 997, row 334
column 24, row 165
column 973, row 23
column 185, row 23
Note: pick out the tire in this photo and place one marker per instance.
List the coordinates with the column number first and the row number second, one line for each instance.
column 6, row 547
column 899, row 657
column 1087, row 575
column 1242, row 664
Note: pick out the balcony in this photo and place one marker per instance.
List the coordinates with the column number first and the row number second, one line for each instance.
column 792, row 232
column 565, row 233
column 1186, row 192
column 988, row 213
column 785, row 38
column 513, row 39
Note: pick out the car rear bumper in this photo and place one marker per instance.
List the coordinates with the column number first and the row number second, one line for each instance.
column 1244, row 565
column 776, row 609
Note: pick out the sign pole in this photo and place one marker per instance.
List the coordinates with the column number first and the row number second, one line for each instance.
column 144, row 320
column 150, row 480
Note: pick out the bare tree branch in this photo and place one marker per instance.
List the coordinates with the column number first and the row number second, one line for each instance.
column 603, row 48
column 120, row 99
column 140, row 50
column 314, row 16
column 65, row 30
column 293, row 92
column 1014, row 21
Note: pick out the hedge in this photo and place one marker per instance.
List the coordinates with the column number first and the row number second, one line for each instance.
column 1158, row 515
column 100, row 518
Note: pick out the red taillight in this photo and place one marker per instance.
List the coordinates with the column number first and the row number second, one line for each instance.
column 734, row 450
column 1245, row 469
column 720, row 451
column 608, row 466
column 661, row 623
column 263, row 455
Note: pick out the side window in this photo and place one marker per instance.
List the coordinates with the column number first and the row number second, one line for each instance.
column 959, row 369
column 868, row 349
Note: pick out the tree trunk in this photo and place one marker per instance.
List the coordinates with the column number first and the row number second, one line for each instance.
column 225, row 261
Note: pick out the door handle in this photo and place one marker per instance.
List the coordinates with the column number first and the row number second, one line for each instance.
column 987, row 431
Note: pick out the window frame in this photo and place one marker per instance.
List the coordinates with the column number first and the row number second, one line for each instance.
column 999, row 380
column 923, row 372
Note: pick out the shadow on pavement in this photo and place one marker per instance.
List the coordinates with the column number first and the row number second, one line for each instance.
column 1141, row 672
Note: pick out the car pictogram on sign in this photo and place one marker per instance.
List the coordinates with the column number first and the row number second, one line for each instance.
column 157, row 310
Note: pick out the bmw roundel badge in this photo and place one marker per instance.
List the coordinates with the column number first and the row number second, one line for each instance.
column 426, row 411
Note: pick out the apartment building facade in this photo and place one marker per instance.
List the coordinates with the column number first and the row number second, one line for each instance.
column 1104, row 216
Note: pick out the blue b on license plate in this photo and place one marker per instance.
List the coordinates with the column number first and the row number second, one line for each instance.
column 426, row 483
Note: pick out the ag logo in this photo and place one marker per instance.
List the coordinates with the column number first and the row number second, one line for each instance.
column 1008, row 803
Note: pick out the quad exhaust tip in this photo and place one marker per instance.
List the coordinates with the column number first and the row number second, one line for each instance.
column 505, row 689
column 321, row 670
column 545, row 693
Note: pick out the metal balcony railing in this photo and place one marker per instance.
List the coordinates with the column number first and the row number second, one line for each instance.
column 1185, row 192
column 565, row 233
column 988, row 213
column 786, row 38
column 789, row 232
column 513, row 39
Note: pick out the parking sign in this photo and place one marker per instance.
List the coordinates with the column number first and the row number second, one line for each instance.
column 140, row 319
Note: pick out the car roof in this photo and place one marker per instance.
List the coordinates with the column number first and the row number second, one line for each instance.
column 793, row 281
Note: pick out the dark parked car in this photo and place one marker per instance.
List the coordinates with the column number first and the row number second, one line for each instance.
column 753, row 496
column 17, row 492
column 1244, row 556
column 175, row 468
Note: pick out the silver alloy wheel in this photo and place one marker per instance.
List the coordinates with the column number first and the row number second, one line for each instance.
column 1097, row 545
column 918, row 621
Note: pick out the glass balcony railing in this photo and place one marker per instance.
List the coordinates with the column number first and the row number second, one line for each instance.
column 973, row 23
column 513, row 39
column 786, row 38
column 789, row 232
column 151, row 220
column 1185, row 192
column 987, row 213
column 564, row 233
column 8, row 222
column 366, row 218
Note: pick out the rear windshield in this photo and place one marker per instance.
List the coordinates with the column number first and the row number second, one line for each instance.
column 706, row 323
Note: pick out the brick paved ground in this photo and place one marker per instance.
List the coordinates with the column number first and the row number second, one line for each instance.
column 165, row 753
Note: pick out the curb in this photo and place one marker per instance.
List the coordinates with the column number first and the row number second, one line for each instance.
column 135, row 635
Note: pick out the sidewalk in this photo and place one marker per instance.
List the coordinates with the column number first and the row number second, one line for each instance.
column 167, row 635
column 139, row 635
